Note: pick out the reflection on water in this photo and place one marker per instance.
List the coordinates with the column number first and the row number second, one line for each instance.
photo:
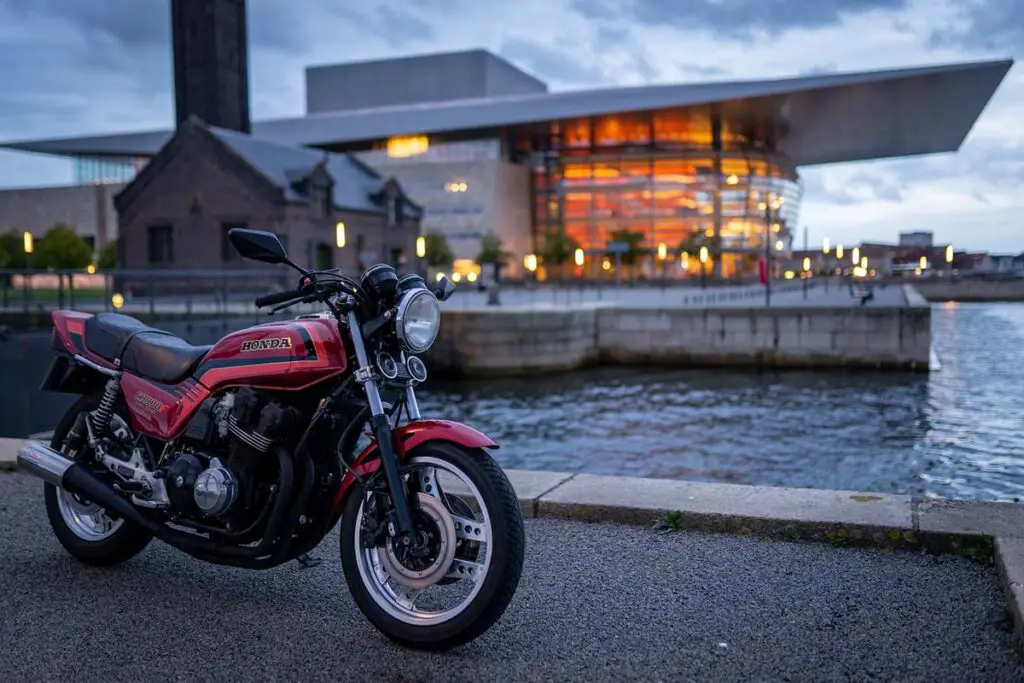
column 954, row 433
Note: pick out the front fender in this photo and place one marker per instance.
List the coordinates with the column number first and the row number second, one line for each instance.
column 405, row 439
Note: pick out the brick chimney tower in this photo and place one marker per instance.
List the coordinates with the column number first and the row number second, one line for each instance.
column 211, row 65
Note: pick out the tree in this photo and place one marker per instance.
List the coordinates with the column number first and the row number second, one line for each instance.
column 559, row 249
column 693, row 242
column 697, row 239
column 634, row 240
column 12, row 245
column 438, row 253
column 491, row 251
column 62, row 248
column 107, row 259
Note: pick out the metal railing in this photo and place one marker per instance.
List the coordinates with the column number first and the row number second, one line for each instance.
column 179, row 291
column 211, row 293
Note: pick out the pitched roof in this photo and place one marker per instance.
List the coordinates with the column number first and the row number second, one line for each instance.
column 825, row 119
column 356, row 185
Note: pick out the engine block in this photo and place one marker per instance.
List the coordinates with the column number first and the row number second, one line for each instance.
column 235, row 434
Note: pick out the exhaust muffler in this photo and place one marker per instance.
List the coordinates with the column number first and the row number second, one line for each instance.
column 39, row 460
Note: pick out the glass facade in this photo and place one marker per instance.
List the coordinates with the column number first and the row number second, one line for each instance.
column 99, row 170
column 682, row 178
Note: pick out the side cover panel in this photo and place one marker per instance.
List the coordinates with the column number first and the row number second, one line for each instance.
column 160, row 410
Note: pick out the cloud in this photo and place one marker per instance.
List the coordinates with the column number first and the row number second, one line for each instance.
column 737, row 18
column 397, row 28
column 703, row 69
column 552, row 64
column 987, row 25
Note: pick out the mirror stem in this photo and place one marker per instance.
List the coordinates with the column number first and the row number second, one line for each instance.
column 296, row 266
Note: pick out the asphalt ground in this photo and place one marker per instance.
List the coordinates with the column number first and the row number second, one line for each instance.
column 596, row 603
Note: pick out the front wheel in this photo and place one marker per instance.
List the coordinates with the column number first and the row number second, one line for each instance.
column 459, row 583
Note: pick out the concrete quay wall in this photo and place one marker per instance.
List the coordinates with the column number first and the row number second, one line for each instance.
column 971, row 290
column 510, row 342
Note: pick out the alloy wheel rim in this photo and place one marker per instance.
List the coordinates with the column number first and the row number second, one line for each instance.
column 400, row 602
column 88, row 521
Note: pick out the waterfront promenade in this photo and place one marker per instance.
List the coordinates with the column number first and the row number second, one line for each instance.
column 783, row 294
column 615, row 599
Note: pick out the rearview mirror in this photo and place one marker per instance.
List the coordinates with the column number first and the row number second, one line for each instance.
column 258, row 245
column 444, row 289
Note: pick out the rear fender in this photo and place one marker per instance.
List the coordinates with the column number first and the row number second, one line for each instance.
column 406, row 438
column 65, row 375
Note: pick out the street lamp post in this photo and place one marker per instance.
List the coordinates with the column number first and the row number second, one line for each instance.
column 768, row 207
column 662, row 255
column 826, row 247
column 806, row 274
column 28, row 242
column 703, row 269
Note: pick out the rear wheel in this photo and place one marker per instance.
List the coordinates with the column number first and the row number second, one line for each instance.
column 85, row 530
column 460, row 583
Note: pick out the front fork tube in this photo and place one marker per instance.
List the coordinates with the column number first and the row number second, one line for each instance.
column 381, row 427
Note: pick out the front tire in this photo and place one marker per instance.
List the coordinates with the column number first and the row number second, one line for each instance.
column 488, row 560
column 86, row 531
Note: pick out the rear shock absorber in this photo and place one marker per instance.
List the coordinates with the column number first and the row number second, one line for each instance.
column 105, row 412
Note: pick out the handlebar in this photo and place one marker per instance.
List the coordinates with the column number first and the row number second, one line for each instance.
column 277, row 298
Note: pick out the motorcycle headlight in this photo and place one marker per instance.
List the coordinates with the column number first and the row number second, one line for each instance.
column 418, row 320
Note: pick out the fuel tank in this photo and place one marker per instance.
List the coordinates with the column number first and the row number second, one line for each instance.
column 286, row 355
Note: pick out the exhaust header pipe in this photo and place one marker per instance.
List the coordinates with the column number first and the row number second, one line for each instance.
column 39, row 460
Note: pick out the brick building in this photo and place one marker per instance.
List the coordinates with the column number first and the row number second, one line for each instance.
column 178, row 210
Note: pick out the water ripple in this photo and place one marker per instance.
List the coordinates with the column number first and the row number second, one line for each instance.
column 955, row 433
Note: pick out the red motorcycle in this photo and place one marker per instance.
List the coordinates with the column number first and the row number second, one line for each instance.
column 247, row 453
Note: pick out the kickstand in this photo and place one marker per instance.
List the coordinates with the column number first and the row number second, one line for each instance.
column 306, row 561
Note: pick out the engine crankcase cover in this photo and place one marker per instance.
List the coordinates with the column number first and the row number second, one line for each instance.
column 216, row 489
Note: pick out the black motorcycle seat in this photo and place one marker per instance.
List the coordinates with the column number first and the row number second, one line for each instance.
column 142, row 350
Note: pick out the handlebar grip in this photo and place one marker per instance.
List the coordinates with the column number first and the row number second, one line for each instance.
column 277, row 298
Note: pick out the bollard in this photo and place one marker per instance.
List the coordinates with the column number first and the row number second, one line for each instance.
column 493, row 298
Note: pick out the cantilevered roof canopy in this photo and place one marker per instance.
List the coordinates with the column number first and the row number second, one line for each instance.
column 823, row 119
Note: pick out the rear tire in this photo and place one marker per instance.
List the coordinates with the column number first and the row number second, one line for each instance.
column 80, row 527
column 506, row 553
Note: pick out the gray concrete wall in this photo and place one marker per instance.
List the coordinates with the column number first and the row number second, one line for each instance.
column 503, row 78
column 971, row 290
column 89, row 209
column 515, row 342
column 497, row 197
column 410, row 80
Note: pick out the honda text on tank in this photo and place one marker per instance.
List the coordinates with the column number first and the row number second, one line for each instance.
column 249, row 452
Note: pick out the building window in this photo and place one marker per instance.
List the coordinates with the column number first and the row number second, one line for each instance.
column 320, row 203
column 323, row 256
column 161, row 244
column 227, row 250
column 407, row 146
column 396, row 208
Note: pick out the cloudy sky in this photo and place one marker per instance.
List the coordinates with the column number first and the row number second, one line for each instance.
column 72, row 67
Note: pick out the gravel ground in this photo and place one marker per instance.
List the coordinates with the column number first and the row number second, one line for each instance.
column 597, row 602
